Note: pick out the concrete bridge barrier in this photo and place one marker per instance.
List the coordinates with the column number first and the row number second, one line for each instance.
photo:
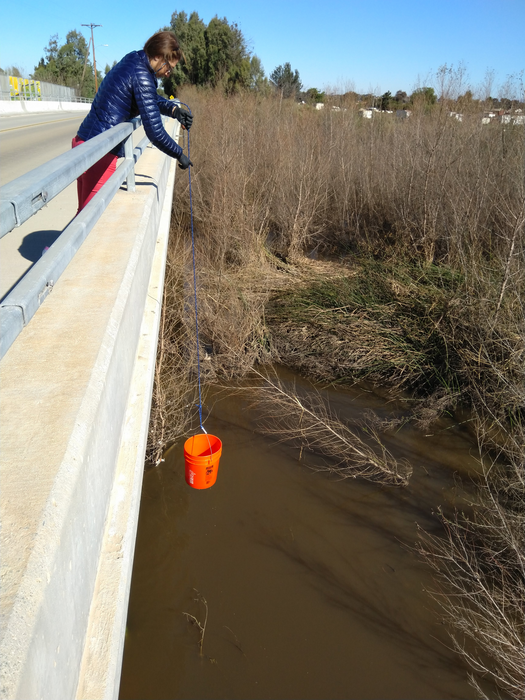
column 75, row 399
column 40, row 106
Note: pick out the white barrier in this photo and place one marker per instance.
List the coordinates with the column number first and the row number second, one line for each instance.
column 11, row 107
column 36, row 107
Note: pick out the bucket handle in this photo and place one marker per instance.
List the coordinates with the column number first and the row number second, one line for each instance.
column 209, row 443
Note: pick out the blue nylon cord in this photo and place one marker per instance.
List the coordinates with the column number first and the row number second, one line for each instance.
column 195, row 287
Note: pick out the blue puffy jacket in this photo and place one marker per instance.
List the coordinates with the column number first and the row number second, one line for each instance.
column 130, row 89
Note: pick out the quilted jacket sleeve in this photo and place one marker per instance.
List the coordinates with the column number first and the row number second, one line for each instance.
column 165, row 106
column 147, row 102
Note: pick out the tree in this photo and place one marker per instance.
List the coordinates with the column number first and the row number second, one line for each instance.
column 426, row 95
column 258, row 80
column 64, row 64
column 467, row 102
column 190, row 35
column 227, row 58
column 384, row 101
column 286, row 80
column 11, row 70
column 351, row 96
column 401, row 97
column 51, row 50
column 313, row 95
column 47, row 68
column 215, row 54
column 71, row 57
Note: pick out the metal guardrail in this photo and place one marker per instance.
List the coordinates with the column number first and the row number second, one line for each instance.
column 23, row 197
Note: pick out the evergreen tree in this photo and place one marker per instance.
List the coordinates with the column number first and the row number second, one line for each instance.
column 385, row 100
column 190, row 35
column 213, row 55
column 286, row 80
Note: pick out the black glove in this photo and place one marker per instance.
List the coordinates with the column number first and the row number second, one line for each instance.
column 184, row 162
column 185, row 118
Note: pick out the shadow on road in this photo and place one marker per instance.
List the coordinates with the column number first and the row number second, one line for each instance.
column 32, row 248
column 34, row 244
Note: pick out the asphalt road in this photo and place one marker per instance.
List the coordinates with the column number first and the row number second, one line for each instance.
column 27, row 141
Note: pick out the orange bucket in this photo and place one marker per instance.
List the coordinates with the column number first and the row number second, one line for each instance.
column 202, row 454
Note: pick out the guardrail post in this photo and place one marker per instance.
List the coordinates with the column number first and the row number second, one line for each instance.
column 128, row 154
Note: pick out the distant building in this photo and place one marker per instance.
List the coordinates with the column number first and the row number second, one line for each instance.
column 503, row 117
column 403, row 113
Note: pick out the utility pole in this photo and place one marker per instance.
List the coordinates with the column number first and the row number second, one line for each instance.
column 93, row 45
column 84, row 69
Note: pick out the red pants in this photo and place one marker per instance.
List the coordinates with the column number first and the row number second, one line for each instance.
column 90, row 182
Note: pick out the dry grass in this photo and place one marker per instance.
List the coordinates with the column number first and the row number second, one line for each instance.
column 423, row 221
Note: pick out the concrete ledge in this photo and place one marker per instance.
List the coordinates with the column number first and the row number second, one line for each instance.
column 102, row 662
column 36, row 106
column 73, row 451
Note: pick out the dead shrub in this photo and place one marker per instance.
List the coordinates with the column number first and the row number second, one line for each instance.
column 307, row 422
column 480, row 566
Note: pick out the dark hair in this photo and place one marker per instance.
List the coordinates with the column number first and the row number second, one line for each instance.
column 163, row 44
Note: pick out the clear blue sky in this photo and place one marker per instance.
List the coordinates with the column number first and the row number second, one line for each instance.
column 366, row 45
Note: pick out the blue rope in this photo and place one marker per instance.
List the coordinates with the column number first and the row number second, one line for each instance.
column 195, row 287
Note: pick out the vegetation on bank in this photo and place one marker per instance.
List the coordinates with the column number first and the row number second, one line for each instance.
column 419, row 287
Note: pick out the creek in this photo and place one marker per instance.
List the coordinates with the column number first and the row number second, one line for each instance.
column 310, row 583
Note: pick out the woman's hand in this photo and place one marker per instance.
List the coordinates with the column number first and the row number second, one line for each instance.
column 182, row 116
column 184, row 162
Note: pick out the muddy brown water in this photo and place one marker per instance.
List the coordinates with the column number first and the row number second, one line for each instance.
column 310, row 588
